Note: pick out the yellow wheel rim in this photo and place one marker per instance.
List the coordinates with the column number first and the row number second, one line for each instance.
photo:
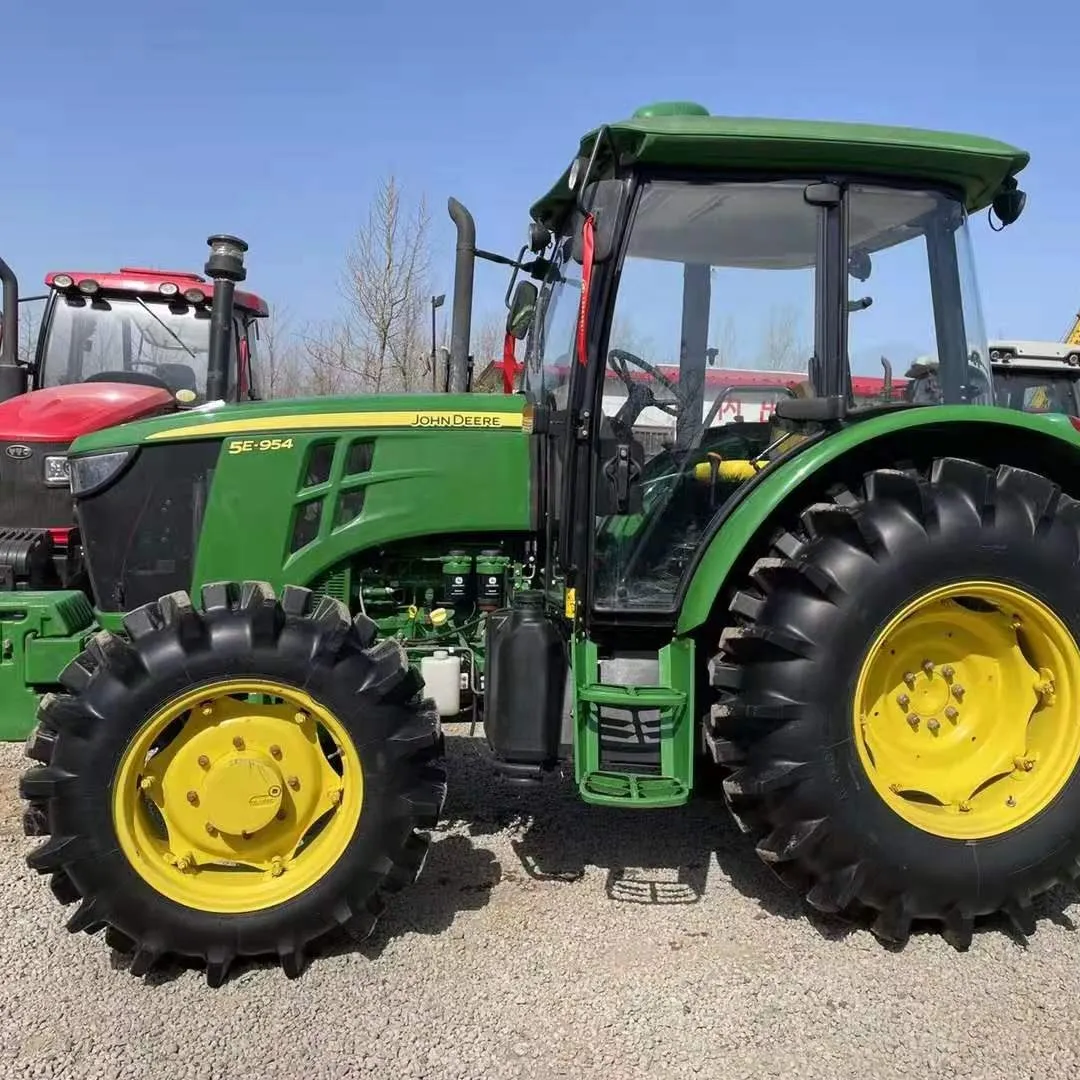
column 966, row 710
column 230, row 804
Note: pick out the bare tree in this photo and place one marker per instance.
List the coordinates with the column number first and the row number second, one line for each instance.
column 781, row 348
column 280, row 366
column 29, row 324
column 379, row 345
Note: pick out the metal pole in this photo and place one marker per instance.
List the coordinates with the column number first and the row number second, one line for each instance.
column 226, row 267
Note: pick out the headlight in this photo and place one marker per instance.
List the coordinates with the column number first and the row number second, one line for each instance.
column 56, row 470
column 94, row 471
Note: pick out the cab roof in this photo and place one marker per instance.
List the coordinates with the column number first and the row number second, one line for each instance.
column 144, row 281
column 684, row 134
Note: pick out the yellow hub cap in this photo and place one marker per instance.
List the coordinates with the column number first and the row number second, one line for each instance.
column 966, row 710
column 229, row 803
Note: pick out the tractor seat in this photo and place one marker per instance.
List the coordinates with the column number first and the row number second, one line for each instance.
column 178, row 377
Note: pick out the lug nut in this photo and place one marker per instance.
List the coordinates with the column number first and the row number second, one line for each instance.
column 206, row 708
column 947, row 672
column 1011, row 800
column 913, row 721
column 211, row 831
column 193, row 798
column 300, row 716
column 928, row 666
column 958, row 692
column 275, row 752
column 909, row 680
column 933, row 724
column 1027, row 764
column 903, row 701
column 965, row 808
column 294, row 783
column 146, row 783
column 238, row 743
column 204, row 762
column 276, row 868
column 280, row 815
column 951, row 713
column 335, row 797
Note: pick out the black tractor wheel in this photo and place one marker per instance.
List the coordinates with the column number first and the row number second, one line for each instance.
column 235, row 781
column 899, row 695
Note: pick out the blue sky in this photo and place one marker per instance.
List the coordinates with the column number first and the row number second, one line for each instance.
column 134, row 130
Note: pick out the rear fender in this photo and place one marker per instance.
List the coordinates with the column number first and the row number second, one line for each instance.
column 1045, row 443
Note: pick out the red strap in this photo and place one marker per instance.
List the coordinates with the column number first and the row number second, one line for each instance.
column 509, row 364
column 587, row 248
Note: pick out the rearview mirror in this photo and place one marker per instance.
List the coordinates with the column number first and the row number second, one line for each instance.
column 522, row 309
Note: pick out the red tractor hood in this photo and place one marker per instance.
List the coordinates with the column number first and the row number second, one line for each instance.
column 58, row 414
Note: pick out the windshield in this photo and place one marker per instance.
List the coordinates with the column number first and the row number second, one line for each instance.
column 1037, row 391
column 731, row 275
column 166, row 339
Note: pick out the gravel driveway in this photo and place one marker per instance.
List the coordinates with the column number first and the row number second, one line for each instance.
column 550, row 939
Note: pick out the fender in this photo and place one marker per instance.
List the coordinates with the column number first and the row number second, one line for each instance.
column 732, row 534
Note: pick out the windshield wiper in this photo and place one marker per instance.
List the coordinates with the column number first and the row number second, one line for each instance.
column 168, row 329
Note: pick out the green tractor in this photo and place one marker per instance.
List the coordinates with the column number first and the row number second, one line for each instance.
column 865, row 616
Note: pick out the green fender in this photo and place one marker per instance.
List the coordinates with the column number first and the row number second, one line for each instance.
column 742, row 527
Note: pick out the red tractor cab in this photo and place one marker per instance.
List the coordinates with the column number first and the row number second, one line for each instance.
column 112, row 347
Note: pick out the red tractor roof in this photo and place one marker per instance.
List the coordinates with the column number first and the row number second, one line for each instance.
column 137, row 279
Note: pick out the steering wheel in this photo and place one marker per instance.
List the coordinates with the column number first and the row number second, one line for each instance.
column 620, row 358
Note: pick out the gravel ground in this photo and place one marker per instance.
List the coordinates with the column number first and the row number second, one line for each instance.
column 550, row 939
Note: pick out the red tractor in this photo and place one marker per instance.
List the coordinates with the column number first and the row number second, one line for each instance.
column 112, row 347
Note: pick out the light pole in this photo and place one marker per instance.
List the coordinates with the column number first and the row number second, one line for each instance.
column 436, row 303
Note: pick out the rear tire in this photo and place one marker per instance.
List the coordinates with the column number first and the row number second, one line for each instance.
column 788, row 673
column 310, row 650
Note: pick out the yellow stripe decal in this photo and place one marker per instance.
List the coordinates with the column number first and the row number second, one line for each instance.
column 316, row 421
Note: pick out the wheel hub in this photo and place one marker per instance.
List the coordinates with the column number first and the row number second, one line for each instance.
column 242, row 805
column 242, row 793
column 959, row 714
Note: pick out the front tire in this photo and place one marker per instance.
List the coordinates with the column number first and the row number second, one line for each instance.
column 899, row 694
column 234, row 781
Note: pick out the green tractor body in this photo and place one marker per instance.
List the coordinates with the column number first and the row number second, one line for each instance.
column 865, row 616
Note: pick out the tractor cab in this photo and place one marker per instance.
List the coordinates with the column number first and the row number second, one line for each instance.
column 142, row 327
column 1032, row 376
column 676, row 231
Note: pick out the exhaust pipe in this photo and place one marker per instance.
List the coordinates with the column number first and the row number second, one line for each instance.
column 13, row 376
column 464, row 267
column 226, row 267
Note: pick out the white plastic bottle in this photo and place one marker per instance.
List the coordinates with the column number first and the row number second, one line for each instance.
column 442, row 681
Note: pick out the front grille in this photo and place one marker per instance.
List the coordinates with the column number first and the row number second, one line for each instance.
column 141, row 532
column 25, row 501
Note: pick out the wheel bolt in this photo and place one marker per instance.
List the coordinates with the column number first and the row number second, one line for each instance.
column 903, row 701
column 276, row 869
column 193, row 798
column 965, row 808
column 928, row 666
column 146, row 783
column 204, row 762
column 206, row 708
column 933, row 724
column 183, row 864
column 211, row 831
column 275, row 752
column 913, row 722
column 1027, row 764
column 300, row 716
column 280, row 815
column 294, row 783
column 958, row 692
column 895, row 789
column 335, row 797
column 1011, row 800
column 947, row 673
column 909, row 680
column 951, row 714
